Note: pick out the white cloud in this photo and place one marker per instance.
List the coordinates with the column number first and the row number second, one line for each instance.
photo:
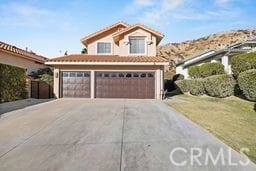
column 155, row 12
column 162, row 12
column 143, row 2
column 222, row 1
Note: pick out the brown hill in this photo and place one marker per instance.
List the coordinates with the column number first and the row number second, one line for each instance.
column 183, row 50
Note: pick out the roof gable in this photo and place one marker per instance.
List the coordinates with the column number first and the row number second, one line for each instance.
column 159, row 35
column 99, row 32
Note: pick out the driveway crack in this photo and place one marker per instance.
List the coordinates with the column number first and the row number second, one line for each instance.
column 122, row 139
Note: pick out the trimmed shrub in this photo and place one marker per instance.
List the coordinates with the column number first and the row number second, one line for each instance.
column 177, row 77
column 196, row 87
column 194, row 71
column 219, row 85
column 209, row 69
column 12, row 84
column 183, row 85
column 243, row 62
column 247, row 83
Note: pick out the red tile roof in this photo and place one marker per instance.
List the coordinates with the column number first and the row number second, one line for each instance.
column 107, row 58
column 4, row 47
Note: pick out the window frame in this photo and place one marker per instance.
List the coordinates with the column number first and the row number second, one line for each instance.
column 111, row 48
column 145, row 44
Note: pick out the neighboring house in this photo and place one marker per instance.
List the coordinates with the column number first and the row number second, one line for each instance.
column 14, row 56
column 224, row 56
column 121, row 63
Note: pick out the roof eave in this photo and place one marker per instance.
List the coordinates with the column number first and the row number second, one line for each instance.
column 103, row 63
column 84, row 39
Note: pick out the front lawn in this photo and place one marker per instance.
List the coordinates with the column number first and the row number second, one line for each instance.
column 231, row 119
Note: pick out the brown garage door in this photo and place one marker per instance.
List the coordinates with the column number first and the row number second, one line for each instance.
column 75, row 84
column 137, row 85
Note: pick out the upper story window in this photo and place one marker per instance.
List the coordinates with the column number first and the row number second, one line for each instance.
column 137, row 45
column 103, row 47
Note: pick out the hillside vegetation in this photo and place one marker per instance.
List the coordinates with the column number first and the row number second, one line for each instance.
column 187, row 49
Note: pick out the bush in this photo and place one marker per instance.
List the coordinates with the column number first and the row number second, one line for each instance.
column 196, row 87
column 243, row 62
column 194, row 71
column 183, row 85
column 247, row 83
column 12, row 84
column 209, row 69
column 219, row 85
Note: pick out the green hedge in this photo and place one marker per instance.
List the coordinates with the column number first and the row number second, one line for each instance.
column 194, row 71
column 183, row 85
column 247, row 83
column 196, row 87
column 209, row 69
column 243, row 62
column 13, row 83
column 220, row 85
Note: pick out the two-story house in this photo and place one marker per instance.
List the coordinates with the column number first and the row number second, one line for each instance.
column 121, row 63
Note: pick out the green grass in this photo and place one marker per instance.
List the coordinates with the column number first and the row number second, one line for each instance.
column 231, row 119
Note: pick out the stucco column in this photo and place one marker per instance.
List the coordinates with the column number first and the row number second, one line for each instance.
column 224, row 61
column 56, row 78
column 162, row 81
column 158, row 84
column 92, row 84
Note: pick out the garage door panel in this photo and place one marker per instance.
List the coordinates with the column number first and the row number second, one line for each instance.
column 75, row 84
column 125, row 85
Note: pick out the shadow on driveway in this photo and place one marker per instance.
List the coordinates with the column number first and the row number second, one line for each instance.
column 20, row 104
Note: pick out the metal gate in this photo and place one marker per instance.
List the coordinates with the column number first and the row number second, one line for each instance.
column 41, row 90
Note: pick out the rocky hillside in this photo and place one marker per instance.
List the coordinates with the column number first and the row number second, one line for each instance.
column 190, row 48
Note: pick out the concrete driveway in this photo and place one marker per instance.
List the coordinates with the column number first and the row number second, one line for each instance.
column 80, row 134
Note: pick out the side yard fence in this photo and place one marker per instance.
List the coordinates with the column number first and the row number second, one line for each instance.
column 41, row 90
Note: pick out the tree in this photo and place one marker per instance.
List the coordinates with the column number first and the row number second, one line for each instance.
column 84, row 51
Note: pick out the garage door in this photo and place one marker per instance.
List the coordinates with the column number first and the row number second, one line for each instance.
column 75, row 84
column 138, row 85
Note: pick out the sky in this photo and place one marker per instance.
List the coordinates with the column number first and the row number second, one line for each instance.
column 51, row 27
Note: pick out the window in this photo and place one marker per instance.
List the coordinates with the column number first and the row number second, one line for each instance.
column 143, row 75
column 79, row 74
column 135, row 75
column 98, row 74
column 106, row 75
column 86, row 74
column 121, row 75
column 65, row 74
column 72, row 74
column 137, row 45
column 104, row 48
column 113, row 75
column 128, row 75
column 150, row 75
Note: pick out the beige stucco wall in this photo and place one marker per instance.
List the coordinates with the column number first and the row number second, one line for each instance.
column 18, row 61
column 150, row 49
column 157, row 69
column 122, row 48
